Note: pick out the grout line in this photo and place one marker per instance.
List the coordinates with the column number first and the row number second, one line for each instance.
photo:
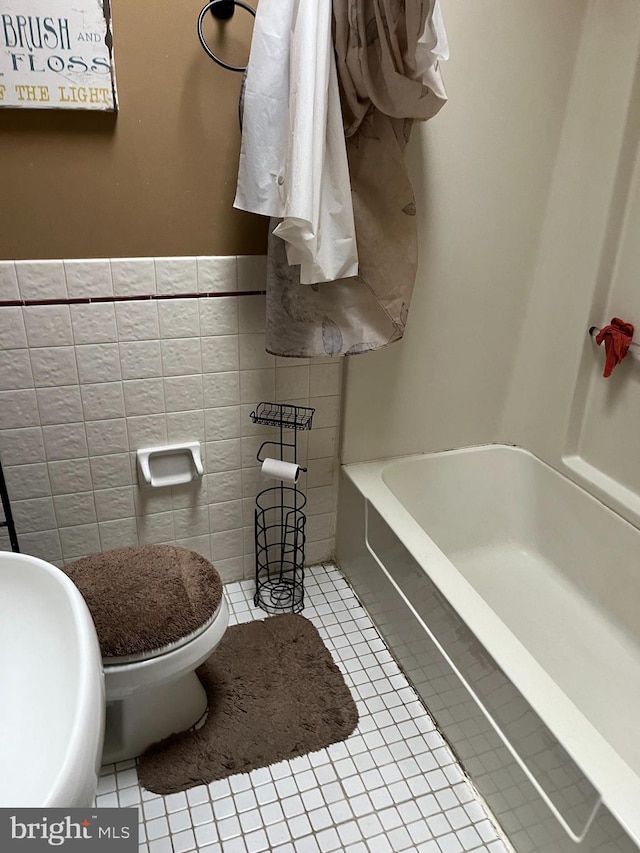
column 85, row 300
column 86, row 435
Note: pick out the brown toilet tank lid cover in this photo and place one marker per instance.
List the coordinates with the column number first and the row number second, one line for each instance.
column 146, row 596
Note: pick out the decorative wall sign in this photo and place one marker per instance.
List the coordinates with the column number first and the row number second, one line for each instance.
column 57, row 54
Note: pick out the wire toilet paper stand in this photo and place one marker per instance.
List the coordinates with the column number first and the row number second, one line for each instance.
column 279, row 515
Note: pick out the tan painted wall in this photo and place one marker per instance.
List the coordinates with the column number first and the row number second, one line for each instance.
column 158, row 178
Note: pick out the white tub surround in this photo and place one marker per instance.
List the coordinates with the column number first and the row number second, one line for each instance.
column 509, row 594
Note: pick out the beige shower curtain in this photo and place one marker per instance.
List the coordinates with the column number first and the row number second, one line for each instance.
column 389, row 76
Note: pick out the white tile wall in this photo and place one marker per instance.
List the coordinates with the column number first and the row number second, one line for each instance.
column 83, row 385
column 133, row 276
column 88, row 278
column 8, row 282
column 48, row 326
column 40, row 279
column 12, row 330
column 220, row 275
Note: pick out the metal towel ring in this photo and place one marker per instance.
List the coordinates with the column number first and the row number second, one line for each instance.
column 206, row 47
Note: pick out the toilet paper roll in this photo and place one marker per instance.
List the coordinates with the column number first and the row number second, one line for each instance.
column 287, row 471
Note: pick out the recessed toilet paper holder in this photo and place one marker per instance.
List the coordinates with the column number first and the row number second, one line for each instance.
column 170, row 464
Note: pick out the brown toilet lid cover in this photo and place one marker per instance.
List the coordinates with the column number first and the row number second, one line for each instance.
column 148, row 596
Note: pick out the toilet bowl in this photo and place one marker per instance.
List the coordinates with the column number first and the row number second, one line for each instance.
column 150, row 697
column 159, row 612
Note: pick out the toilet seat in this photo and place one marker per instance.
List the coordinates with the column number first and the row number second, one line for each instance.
column 161, row 650
column 122, row 679
column 145, row 598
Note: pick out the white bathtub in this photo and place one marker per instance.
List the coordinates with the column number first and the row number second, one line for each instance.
column 512, row 598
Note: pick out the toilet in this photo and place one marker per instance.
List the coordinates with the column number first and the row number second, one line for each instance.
column 159, row 612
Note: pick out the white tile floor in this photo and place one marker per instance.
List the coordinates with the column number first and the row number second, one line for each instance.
column 394, row 785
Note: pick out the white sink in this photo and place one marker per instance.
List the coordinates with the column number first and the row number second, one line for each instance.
column 51, row 688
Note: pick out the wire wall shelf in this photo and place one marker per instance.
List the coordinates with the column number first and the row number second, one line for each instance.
column 281, row 414
column 279, row 515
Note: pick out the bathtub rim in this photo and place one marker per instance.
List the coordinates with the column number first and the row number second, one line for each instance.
column 616, row 782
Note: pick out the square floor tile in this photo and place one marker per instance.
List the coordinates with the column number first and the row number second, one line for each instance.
column 394, row 785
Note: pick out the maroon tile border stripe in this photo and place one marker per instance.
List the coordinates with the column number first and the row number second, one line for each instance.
column 7, row 303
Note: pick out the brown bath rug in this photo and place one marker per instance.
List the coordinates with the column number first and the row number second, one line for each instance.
column 274, row 693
